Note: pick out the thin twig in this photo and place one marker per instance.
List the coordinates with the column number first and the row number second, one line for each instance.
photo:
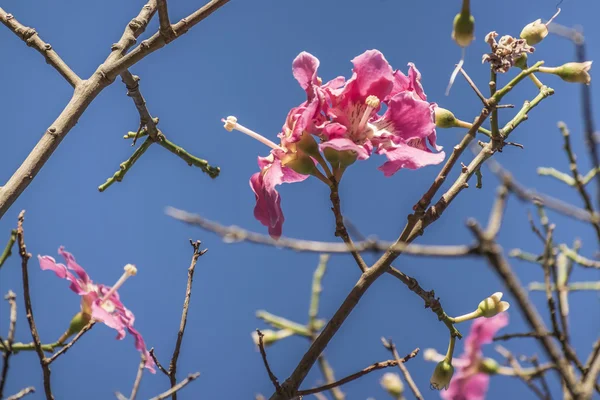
column 263, row 353
column 177, row 387
column 411, row 383
column 8, row 249
column 158, row 364
column 474, row 87
column 11, row 298
column 522, row 335
column 138, row 377
column 25, row 256
column 518, row 371
column 126, row 165
column 22, row 393
column 32, row 39
column 234, row 234
column 165, row 29
column 373, row 367
column 548, row 265
column 71, row 343
column 186, row 305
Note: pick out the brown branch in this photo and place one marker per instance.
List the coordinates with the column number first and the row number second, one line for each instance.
column 509, row 336
column 166, row 30
column 138, row 377
column 8, row 249
column 340, row 228
column 117, row 62
column 387, row 343
column 186, row 305
column 32, row 39
column 11, row 298
column 25, row 256
column 548, row 265
column 22, row 393
column 71, row 343
column 177, row 387
column 373, row 367
column 493, row 254
column 263, row 354
column 158, row 364
column 234, row 234
column 518, row 372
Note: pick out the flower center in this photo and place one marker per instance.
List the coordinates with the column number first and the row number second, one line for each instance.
column 231, row 124
column 130, row 270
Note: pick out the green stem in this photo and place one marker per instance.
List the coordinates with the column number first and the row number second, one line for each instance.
column 16, row 347
column 521, row 116
column 561, row 176
column 450, row 351
column 8, row 249
column 571, row 287
column 467, row 125
column 466, row 317
column 126, row 165
column 316, row 293
column 510, row 85
column 213, row 172
column 494, row 115
column 466, row 8
column 535, row 80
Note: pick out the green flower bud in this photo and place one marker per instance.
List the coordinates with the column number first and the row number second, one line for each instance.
column 444, row 118
column 392, row 384
column 534, row 32
column 341, row 159
column 442, row 375
column 79, row 321
column 489, row 366
column 270, row 336
column 463, row 28
column 492, row 305
column 574, row 72
column 332, row 155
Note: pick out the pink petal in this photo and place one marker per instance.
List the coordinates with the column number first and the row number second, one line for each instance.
column 407, row 118
column 140, row 345
column 48, row 263
column 108, row 319
column 343, row 144
column 404, row 156
column 482, row 332
column 410, row 83
column 462, row 387
column 373, row 75
column 72, row 264
column 304, row 68
column 334, row 130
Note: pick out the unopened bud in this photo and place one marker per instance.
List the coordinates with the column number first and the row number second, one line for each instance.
column 463, row 28
column 308, row 144
column 392, row 384
column 574, row 72
column 270, row 336
column 536, row 31
column 442, row 375
column 492, row 305
column 79, row 321
column 444, row 118
column 338, row 158
column 299, row 162
column 489, row 366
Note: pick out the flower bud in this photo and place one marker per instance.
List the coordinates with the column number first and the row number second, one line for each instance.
column 442, row 375
column 463, row 28
column 574, row 72
column 489, row 366
column 270, row 336
column 534, row 32
column 521, row 62
column 492, row 305
column 444, row 118
column 392, row 384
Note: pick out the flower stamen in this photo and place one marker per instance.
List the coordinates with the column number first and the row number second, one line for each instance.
column 231, row 124
column 372, row 103
column 130, row 270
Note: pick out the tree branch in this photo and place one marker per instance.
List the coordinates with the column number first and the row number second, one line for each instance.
column 177, row 387
column 22, row 393
column 32, row 39
column 7, row 352
column 8, row 249
column 166, row 30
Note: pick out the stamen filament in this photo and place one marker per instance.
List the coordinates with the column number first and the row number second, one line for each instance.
column 130, row 270
column 231, row 124
column 372, row 102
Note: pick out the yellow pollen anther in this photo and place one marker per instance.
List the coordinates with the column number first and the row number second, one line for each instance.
column 372, row 101
column 319, row 80
column 231, row 124
column 130, row 269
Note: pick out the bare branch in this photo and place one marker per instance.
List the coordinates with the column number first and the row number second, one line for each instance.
column 22, row 393
column 186, row 305
column 233, row 234
column 177, row 387
column 158, row 364
column 166, row 30
column 138, row 377
column 411, row 383
column 373, row 367
column 71, row 343
column 11, row 298
column 263, row 353
column 32, row 39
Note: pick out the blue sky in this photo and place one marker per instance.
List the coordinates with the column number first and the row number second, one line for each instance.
column 238, row 62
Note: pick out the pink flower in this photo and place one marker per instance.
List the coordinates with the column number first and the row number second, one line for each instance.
column 344, row 117
column 470, row 383
column 99, row 301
